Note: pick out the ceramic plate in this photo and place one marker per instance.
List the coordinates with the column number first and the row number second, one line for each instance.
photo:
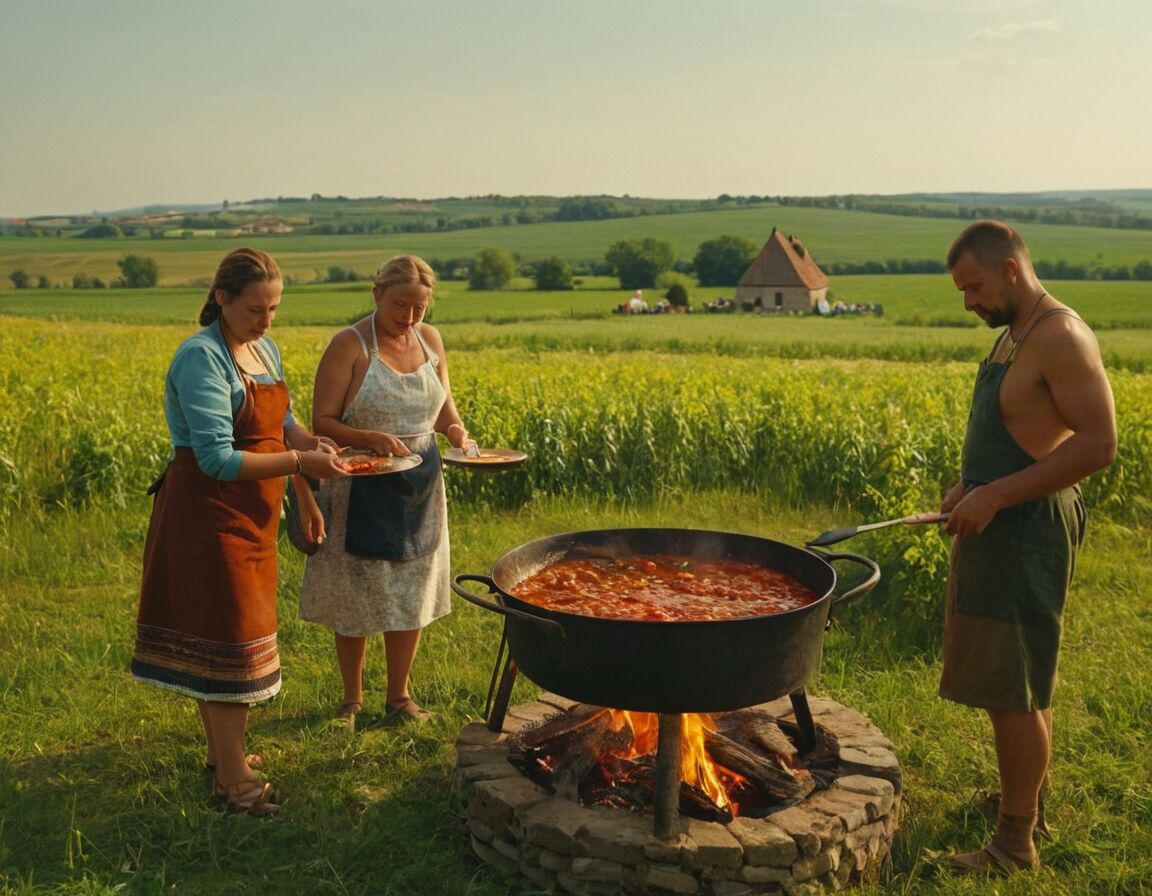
column 489, row 459
column 366, row 464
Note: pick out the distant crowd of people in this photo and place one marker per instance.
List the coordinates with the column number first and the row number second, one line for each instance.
column 638, row 305
column 838, row 307
column 723, row 305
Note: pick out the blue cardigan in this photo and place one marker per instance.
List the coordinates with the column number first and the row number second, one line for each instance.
column 203, row 392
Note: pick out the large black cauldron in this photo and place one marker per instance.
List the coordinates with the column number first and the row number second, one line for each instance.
column 666, row 667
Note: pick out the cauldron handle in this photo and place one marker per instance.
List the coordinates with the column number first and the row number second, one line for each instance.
column 865, row 586
column 549, row 625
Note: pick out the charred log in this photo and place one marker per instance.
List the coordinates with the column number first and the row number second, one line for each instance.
column 556, row 726
column 826, row 753
column 769, row 776
column 695, row 802
column 577, row 754
column 622, row 783
column 631, row 784
column 757, row 729
column 564, row 749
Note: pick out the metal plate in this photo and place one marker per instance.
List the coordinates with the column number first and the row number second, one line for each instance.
column 489, row 459
column 395, row 464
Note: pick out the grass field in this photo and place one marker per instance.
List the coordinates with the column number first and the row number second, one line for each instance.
column 779, row 427
column 923, row 320
column 831, row 236
column 102, row 793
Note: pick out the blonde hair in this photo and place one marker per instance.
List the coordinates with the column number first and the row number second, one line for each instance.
column 239, row 268
column 401, row 271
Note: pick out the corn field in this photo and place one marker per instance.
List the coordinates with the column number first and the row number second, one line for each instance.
column 83, row 421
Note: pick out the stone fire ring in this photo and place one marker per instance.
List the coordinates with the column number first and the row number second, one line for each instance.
column 826, row 842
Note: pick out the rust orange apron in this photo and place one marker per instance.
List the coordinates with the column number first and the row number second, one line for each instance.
column 207, row 620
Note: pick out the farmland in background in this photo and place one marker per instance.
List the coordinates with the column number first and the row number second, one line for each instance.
column 832, row 236
column 775, row 426
column 861, row 414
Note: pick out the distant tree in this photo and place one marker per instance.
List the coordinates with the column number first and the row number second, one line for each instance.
column 494, row 269
column 20, row 279
column 101, row 231
column 677, row 295
column 723, row 261
column 138, row 272
column 675, row 287
column 553, row 273
column 43, row 282
column 337, row 274
column 639, row 262
column 451, row 268
column 586, row 208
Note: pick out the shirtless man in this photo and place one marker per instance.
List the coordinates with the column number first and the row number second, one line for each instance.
column 1041, row 420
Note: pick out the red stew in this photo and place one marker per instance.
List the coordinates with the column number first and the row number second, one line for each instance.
column 663, row 588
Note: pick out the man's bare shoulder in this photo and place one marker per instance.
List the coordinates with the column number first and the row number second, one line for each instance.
column 1062, row 337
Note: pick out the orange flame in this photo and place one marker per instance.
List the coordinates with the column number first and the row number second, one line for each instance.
column 696, row 768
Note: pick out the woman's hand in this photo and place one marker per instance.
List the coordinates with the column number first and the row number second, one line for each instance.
column 322, row 463
column 458, row 437
column 384, row 443
column 311, row 519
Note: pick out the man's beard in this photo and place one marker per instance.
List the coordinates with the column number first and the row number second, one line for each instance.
column 1001, row 317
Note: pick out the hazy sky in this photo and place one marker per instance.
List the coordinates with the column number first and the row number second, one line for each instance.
column 108, row 104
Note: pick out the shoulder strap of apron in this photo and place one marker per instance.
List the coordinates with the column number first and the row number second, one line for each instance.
column 1004, row 334
column 375, row 345
column 429, row 355
column 1032, row 326
column 266, row 360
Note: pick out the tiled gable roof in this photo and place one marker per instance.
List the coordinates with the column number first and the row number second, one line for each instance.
column 784, row 262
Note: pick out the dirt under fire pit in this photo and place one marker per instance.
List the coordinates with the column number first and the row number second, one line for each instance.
column 827, row 840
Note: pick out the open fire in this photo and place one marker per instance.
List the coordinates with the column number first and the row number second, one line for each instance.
column 730, row 764
column 696, row 766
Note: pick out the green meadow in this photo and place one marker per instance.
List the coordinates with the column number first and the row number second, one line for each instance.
column 832, row 236
column 776, row 426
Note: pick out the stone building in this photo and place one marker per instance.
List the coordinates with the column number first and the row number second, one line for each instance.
column 783, row 277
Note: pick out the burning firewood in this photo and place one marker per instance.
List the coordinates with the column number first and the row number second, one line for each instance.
column 596, row 755
column 556, row 726
column 773, row 780
column 567, row 747
column 752, row 727
column 630, row 784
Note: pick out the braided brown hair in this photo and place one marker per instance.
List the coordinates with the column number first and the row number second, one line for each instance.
column 239, row 268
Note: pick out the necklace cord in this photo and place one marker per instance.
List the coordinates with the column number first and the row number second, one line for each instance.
column 1040, row 298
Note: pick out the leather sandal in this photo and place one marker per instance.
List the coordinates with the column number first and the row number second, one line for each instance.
column 988, row 805
column 407, row 710
column 346, row 714
column 260, row 798
column 992, row 859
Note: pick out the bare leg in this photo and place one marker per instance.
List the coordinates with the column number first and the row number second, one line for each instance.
column 1023, row 746
column 401, row 654
column 350, row 657
column 225, row 724
column 1023, row 749
column 206, row 721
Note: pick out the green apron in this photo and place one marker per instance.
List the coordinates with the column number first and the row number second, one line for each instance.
column 1007, row 585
